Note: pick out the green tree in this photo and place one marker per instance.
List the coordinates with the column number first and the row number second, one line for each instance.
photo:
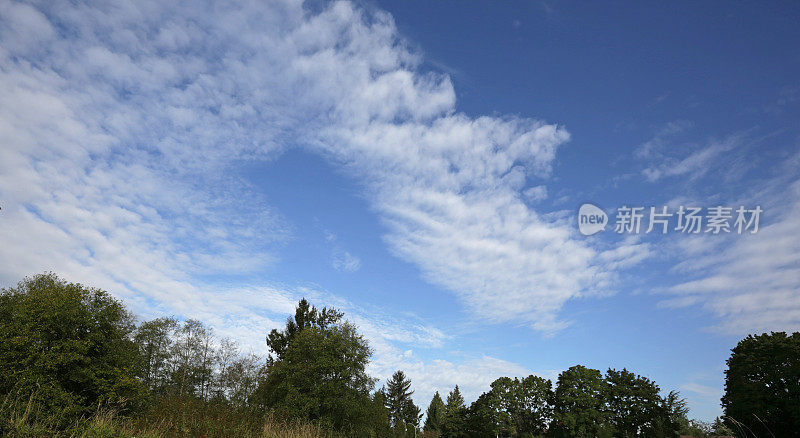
column 503, row 400
column 676, row 421
column 762, row 385
column 321, row 376
column 380, row 415
column 434, row 416
column 154, row 342
column 403, row 413
column 68, row 346
column 578, row 403
column 455, row 413
column 720, row 428
column 634, row 405
column 696, row 429
column 238, row 374
column 533, row 412
column 193, row 359
column 305, row 316
column 516, row 407
column 484, row 418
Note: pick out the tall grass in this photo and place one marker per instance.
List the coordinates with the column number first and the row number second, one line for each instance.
column 169, row 418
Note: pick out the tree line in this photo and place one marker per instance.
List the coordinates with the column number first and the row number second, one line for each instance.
column 70, row 348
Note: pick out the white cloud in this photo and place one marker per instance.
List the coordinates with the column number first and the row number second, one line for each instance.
column 692, row 166
column 750, row 282
column 346, row 262
column 656, row 145
column 122, row 130
column 703, row 391
column 535, row 194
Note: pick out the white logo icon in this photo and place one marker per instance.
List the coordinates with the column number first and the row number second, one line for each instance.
column 591, row 219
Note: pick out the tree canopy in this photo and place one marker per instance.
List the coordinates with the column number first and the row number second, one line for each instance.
column 320, row 373
column 305, row 316
column 403, row 413
column 67, row 345
column 762, row 385
column 434, row 415
column 578, row 402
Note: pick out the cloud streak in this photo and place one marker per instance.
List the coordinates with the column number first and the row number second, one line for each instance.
column 750, row 282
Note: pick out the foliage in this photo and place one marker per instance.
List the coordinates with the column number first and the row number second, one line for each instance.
column 675, row 420
column 483, row 419
column 523, row 406
column 634, row 405
column 68, row 345
column 321, row 377
column 455, row 412
column 154, row 342
column 305, row 316
column 762, row 386
column 578, row 407
column 403, row 413
column 695, row 428
column 434, row 416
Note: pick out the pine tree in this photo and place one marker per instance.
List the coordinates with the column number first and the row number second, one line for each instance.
column 402, row 410
column 434, row 416
column 454, row 415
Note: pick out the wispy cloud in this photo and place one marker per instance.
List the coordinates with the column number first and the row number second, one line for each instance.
column 749, row 281
column 692, row 166
column 346, row 262
column 702, row 391
column 122, row 124
column 655, row 146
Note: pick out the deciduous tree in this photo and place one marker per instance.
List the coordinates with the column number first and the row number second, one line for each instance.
column 634, row 405
column 579, row 407
column 762, row 385
column 66, row 345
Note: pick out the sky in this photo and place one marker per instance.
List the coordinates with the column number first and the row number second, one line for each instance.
column 420, row 166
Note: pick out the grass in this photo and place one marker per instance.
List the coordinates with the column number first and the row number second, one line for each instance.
column 168, row 418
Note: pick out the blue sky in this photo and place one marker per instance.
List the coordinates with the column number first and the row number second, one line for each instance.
column 419, row 165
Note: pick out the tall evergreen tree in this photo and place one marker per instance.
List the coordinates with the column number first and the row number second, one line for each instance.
column 380, row 415
column 434, row 416
column 454, row 415
column 403, row 413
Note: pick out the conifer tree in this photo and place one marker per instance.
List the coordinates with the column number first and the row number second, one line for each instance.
column 434, row 416
column 402, row 410
column 454, row 415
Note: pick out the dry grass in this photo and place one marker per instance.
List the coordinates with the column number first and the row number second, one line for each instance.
column 169, row 418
